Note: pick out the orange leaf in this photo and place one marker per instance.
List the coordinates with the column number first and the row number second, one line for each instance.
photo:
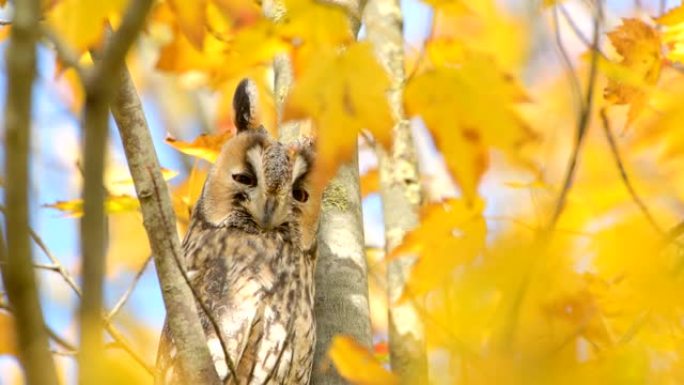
column 343, row 93
column 205, row 146
column 450, row 234
column 357, row 365
column 370, row 183
column 639, row 45
column 8, row 344
column 192, row 19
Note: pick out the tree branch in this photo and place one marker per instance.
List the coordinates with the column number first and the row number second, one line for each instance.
column 623, row 173
column 401, row 195
column 17, row 273
column 127, row 294
column 583, row 121
column 159, row 220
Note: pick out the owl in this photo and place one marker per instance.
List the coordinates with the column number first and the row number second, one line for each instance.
column 250, row 253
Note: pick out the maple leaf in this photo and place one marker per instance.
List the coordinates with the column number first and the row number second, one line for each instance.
column 80, row 23
column 673, row 21
column 205, row 146
column 468, row 108
column 343, row 93
column 639, row 45
column 113, row 204
column 450, row 234
column 316, row 22
column 357, row 365
column 8, row 343
column 192, row 19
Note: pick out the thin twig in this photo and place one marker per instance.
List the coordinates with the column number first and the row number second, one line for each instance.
column 578, row 32
column 623, row 173
column 567, row 63
column 583, row 121
column 129, row 291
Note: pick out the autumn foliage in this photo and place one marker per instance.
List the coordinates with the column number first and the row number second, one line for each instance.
column 549, row 249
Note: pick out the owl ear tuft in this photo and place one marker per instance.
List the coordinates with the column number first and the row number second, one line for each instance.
column 245, row 103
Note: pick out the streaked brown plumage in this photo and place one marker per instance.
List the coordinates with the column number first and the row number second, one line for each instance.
column 250, row 253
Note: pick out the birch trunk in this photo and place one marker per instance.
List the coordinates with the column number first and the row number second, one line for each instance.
column 401, row 194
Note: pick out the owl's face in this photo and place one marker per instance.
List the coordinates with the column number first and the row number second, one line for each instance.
column 262, row 184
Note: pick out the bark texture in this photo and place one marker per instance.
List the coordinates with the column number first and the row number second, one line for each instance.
column 17, row 270
column 160, row 225
column 401, row 194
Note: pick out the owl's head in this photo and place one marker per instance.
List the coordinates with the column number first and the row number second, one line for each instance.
column 258, row 183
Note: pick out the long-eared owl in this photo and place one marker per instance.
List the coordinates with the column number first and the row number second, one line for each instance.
column 250, row 253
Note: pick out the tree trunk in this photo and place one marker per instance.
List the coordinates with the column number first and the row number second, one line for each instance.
column 17, row 263
column 401, row 194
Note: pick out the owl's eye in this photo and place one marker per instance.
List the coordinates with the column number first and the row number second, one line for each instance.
column 245, row 179
column 300, row 195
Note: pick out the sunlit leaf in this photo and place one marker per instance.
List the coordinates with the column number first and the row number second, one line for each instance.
column 205, row 146
column 113, row 204
column 357, row 365
column 191, row 17
column 466, row 117
column 450, row 234
column 342, row 105
column 639, row 45
column 81, row 23
column 8, row 344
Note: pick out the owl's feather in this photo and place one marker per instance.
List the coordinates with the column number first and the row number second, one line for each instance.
column 250, row 252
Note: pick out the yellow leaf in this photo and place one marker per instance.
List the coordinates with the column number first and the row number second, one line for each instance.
column 343, row 93
column 113, row 204
column 186, row 194
column 192, row 19
column 81, row 23
column 205, row 146
column 128, row 247
column 8, row 343
column 450, row 234
column 639, row 45
column 672, row 17
column 467, row 108
column 357, row 365
column 316, row 22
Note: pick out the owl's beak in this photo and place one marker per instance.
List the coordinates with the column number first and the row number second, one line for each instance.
column 267, row 219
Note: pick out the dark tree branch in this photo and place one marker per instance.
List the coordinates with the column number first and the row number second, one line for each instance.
column 583, row 121
column 623, row 173
column 17, row 273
